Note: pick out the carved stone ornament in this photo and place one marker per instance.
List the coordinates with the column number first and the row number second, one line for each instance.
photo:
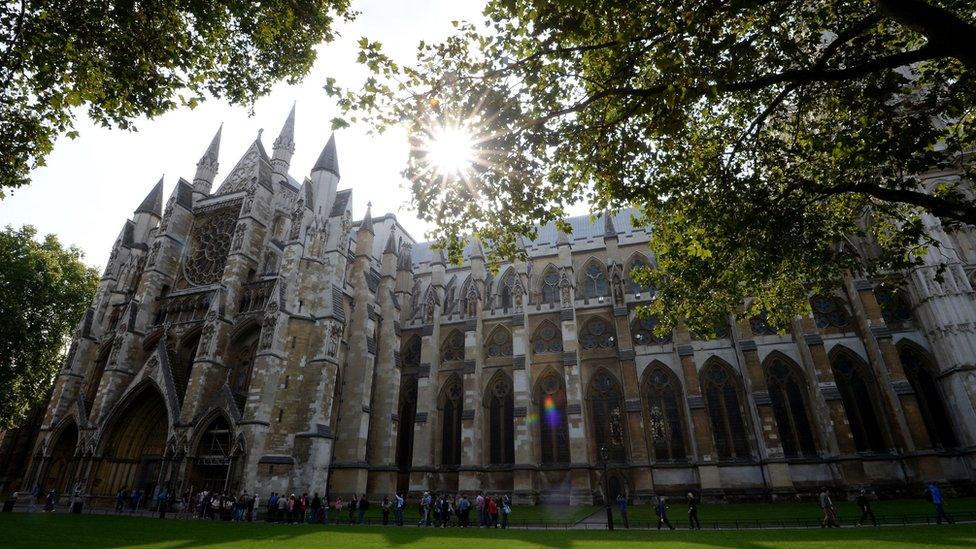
column 239, row 236
column 268, row 328
column 296, row 219
column 248, row 201
column 151, row 259
column 167, row 214
column 206, row 337
column 565, row 289
column 335, row 337
column 151, row 364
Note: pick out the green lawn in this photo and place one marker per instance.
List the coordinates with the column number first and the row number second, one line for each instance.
column 41, row 530
column 847, row 511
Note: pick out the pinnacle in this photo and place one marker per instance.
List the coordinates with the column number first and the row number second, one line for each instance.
column 609, row 229
column 214, row 149
column 287, row 136
column 328, row 159
column 153, row 203
column 367, row 224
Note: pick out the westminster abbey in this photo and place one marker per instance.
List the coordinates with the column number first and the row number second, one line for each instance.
column 252, row 334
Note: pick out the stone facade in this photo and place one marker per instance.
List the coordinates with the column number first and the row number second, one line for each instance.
column 256, row 338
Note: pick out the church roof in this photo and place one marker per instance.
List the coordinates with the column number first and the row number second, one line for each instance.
column 328, row 159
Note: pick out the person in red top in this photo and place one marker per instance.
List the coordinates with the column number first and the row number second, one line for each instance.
column 492, row 507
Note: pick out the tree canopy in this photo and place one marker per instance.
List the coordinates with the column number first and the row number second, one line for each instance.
column 44, row 291
column 772, row 147
column 118, row 61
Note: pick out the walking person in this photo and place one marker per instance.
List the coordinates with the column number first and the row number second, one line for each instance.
column 36, row 494
column 827, row 506
column 864, row 504
column 282, row 509
column 491, row 507
column 464, row 512
column 622, row 504
column 479, row 503
column 935, row 496
column 425, row 510
column 386, row 510
column 506, row 510
column 362, row 507
column 351, row 508
column 120, row 500
column 693, row 522
column 398, row 504
column 661, row 510
column 339, row 506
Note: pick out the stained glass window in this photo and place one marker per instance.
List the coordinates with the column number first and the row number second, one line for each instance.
column 607, row 415
column 499, row 343
column 547, row 339
column 724, row 404
column 895, row 305
column 643, row 332
column 595, row 280
column 919, row 372
column 501, row 406
column 550, row 286
column 830, row 312
column 597, row 334
column 553, row 424
column 453, row 347
column 787, row 391
column 452, row 400
column 858, row 391
column 662, row 407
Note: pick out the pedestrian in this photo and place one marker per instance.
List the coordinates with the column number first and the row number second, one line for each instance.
column 864, row 504
column 424, row 510
column 120, row 500
column 272, row 504
column 827, row 506
column 282, row 514
column 479, row 503
column 693, row 522
column 622, row 504
column 52, row 499
column 362, row 507
column 398, row 504
column 506, row 510
column 136, row 499
column 491, row 507
column 386, row 510
column 464, row 512
column 316, row 506
column 661, row 510
column 252, row 508
column 36, row 494
column 935, row 496
column 351, row 508
column 339, row 506
column 162, row 502
column 445, row 511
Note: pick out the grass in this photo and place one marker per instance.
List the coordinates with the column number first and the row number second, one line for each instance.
column 62, row 530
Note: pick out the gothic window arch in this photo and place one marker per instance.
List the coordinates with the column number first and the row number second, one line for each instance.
column 550, row 400
column 788, row 394
column 453, row 347
column 642, row 331
column 607, row 414
column 724, row 403
column 859, row 393
column 278, row 227
column 411, row 352
column 550, row 285
column 597, row 333
column 407, row 410
column 594, row 280
column 664, row 413
column 547, row 339
column 499, row 343
column 270, row 263
column 451, row 403
column 501, row 420
column 506, row 289
column 637, row 263
column 241, row 352
column 464, row 296
column 830, row 312
column 759, row 325
column 921, row 375
column 94, row 378
column 896, row 307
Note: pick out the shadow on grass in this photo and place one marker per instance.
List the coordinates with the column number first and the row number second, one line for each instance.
column 60, row 530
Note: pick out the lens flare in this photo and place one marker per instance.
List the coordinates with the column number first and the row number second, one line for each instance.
column 450, row 150
column 550, row 411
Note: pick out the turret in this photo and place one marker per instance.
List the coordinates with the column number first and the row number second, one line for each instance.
column 149, row 213
column 284, row 148
column 389, row 260
column 365, row 234
column 207, row 167
column 325, row 176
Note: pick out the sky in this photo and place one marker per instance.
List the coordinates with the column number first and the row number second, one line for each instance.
column 92, row 184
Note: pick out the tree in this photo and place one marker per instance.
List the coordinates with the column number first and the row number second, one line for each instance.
column 44, row 291
column 122, row 60
column 772, row 146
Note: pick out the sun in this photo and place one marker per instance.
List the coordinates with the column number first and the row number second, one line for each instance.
column 450, row 150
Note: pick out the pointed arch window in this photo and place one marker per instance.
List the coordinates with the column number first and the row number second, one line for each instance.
column 506, row 291
column 547, row 339
column 637, row 264
column 499, row 343
column 94, row 379
column 859, row 392
column 830, row 312
column 407, row 413
column 453, row 347
column 595, row 280
column 919, row 371
column 597, row 334
column 550, row 286
column 662, row 408
column 553, row 422
column 242, row 352
column 895, row 305
column 607, row 413
column 643, row 332
column 501, row 421
column 452, row 399
column 411, row 352
column 723, row 400
column 759, row 325
column 787, row 391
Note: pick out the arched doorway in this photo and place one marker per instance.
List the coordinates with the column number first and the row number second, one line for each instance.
column 212, row 462
column 135, row 440
column 60, row 471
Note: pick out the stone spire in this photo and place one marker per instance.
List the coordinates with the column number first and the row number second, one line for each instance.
column 609, row 231
column 284, row 147
column 476, row 250
column 328, row 160
column 562, row 239
column 367, row 224
column 153, row 203
column 207, row 166
column 390, row 244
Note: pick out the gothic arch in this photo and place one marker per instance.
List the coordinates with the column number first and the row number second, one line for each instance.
column 507, row 289
column 637, row 260
column 597, row 333
column 547, row 338
column 500, row 403
column 407, row 413
column 607, row 416
column 498, row 344
column 831, row 312
column 664, row 415
column 921, row 373
column 726, row 405
column 133, row 441
column 60, row 460
column 548, row 285
column 411, row 354
column 593, row 281
column 450, row 403
column 642, row 332
column 452, row 347
column 240, row 355
column 214, row 459
column 94, row 378
column 862, row 400
column 549, row 399
column 789, row 394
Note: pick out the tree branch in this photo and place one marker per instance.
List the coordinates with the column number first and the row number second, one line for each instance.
column 945, row 209
column 938, row 25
